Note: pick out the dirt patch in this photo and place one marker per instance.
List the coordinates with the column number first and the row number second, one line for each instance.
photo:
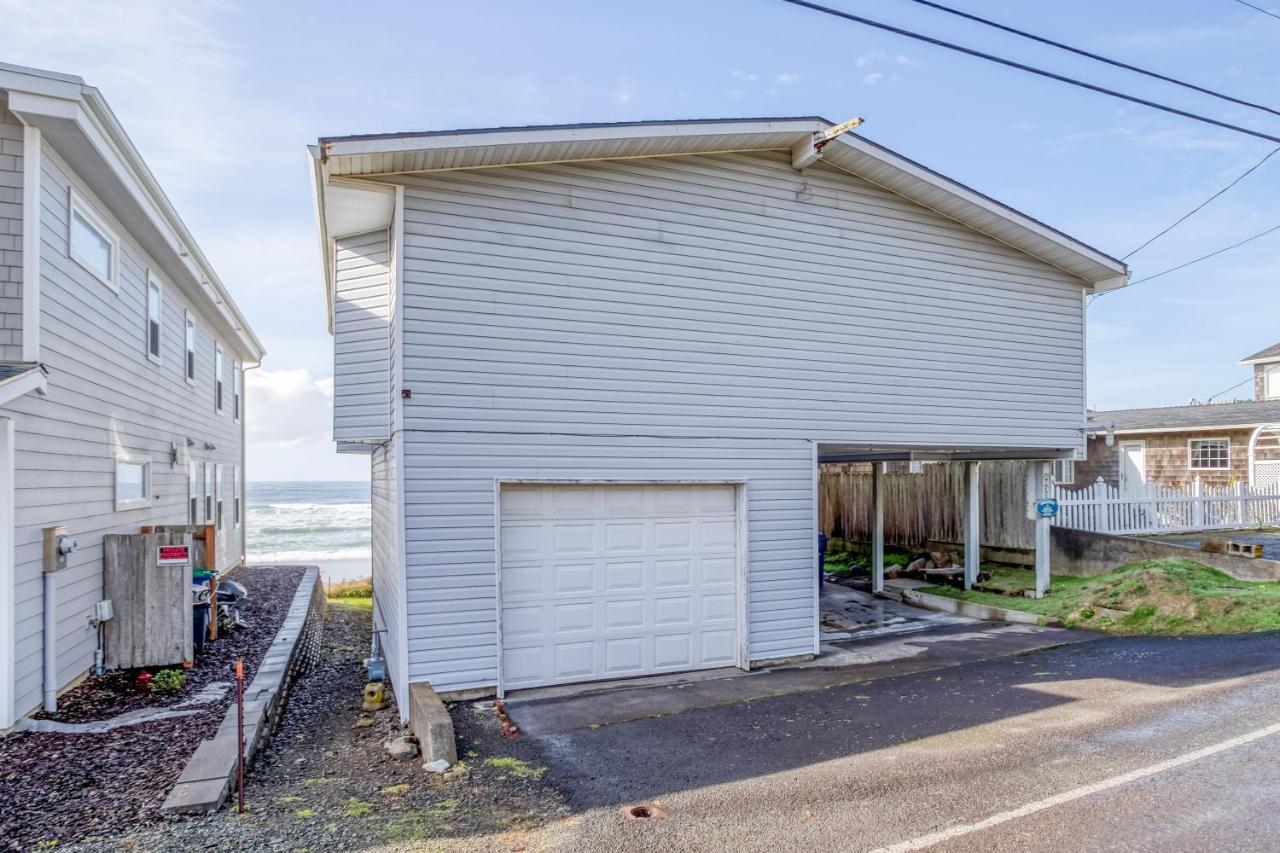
column 57, row 788
column 324, row 783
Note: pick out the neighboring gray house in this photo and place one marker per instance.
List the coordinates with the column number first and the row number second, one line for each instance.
column 121, row 367
column 597, row 366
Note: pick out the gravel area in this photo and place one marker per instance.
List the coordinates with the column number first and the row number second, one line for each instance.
column 59, row 788
column 324, row 783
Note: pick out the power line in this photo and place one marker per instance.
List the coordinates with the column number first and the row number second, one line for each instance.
column 1258, row 9
column 1079, row 52
column 1238, row 384
column 1202, row 204
column 1212, row 254
column 1031, row 69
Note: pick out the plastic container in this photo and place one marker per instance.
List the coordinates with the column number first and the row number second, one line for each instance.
column 199, row 626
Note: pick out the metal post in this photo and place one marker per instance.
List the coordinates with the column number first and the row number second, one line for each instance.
column 1041, row 471
column 972, row 524
column 240, row 733
column 877, row 527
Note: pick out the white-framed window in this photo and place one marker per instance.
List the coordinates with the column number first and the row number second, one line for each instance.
column 155, row 308
column 1271, row 382
column 236, row 369
column 133, row 482
column 217, row 377
column 217, row 475
column 1064, row 471
column 90, row 243
column 1209, row 454
column 193, row 493
column 189, row 365
column 236, row 494
column 208, row 493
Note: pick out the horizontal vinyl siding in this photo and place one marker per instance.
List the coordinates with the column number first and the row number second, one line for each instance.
column 388, row 576
column 449, row 520
column 105, row 398
column 361, row 313
column 727, row 296
column 10, row 236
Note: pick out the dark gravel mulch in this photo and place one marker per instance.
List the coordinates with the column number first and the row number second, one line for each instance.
column 324, row 783
column 59, row 787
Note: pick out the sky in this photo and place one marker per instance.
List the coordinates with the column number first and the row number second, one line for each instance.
column 222, row 98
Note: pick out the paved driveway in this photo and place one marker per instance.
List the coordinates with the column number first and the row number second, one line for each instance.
column 1131, row 744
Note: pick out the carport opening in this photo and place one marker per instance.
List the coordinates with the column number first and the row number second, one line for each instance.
column 932, row 502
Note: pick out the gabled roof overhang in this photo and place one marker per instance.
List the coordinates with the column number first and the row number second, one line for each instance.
column 76, row 122
column 352, row 164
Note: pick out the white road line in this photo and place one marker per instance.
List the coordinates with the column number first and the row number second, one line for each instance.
column 1076, row 793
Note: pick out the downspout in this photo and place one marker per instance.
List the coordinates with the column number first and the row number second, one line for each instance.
column 50, row 641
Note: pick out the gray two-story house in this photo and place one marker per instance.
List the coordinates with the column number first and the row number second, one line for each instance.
column 121, row 374
column 597, row 366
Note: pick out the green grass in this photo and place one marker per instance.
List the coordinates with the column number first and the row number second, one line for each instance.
column 1174, row 596
column 358, row 594
column 846, row 558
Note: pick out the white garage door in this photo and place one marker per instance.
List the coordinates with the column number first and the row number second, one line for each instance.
column 617, row 581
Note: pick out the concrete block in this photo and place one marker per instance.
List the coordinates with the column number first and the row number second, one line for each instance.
column 431, row 724
column 197, row 797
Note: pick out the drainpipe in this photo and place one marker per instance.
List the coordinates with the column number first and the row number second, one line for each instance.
column 50, row 641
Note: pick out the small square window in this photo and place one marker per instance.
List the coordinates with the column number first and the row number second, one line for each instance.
column 1271, row 382
column 1211, row 454
column 154, row 309
column 90, row 243
column 1064, row 472
column 133, row 483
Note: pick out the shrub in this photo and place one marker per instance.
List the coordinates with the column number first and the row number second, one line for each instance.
column 168, row 681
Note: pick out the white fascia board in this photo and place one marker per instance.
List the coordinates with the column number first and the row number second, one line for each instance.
column 24, row 383
column 85, row 113
column 1272, row 359
column 1157, row 430
column 540, row 136
column 326, row 256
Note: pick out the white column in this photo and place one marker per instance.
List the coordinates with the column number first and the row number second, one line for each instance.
column 877, row 527
column 32, row 154
column 1040, row 478
column 972, row 524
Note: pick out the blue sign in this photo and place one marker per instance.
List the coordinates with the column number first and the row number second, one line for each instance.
column 1047, row 508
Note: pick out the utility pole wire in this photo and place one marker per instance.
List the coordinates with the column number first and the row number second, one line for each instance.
column 1215, row 253
column 1259, row 9
column 1079, row 52
column 1238, row 384
column 826, row 10
column 1202, row 204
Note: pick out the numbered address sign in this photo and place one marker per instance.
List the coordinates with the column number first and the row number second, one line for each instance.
column 1047, row 508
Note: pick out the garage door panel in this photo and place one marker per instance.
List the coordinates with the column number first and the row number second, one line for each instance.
column 611, row 581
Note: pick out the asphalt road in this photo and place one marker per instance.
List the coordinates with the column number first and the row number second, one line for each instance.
column 1116, row 744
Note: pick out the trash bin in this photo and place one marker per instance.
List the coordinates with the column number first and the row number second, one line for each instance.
column 199, row 625
column 822, row 557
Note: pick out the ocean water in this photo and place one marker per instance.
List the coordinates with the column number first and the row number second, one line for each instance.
column 321, row 523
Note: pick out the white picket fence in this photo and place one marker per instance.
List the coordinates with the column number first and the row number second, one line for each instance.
column 1160, row 509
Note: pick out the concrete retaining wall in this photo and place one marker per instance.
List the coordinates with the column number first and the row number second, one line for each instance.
column 207, row 779
column 1080, row 553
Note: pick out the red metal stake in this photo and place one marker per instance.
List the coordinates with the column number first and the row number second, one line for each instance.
column 240, row 731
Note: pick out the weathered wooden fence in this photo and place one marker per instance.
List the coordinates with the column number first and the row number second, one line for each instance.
column 928, row 505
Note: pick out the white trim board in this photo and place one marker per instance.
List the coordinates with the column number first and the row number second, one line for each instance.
column 8, row 616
